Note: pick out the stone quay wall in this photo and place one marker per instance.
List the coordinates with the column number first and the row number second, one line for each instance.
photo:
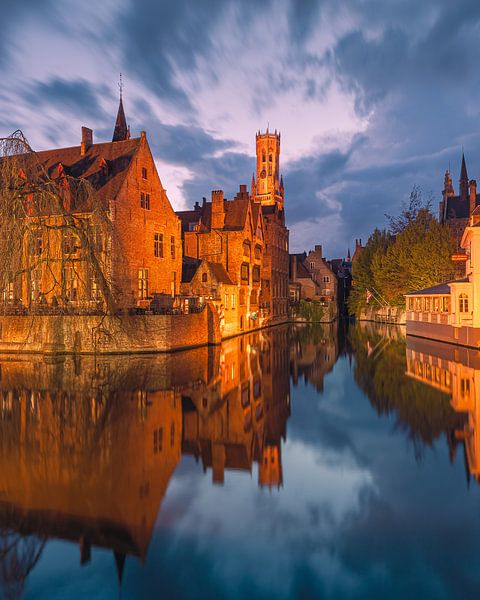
column 66, row 334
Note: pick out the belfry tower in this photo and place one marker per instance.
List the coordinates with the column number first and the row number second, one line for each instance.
column 121, row 131
column 269, row 184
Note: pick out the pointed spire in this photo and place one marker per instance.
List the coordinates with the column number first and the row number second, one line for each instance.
column 463, row 179
column 121, row 131
column 348, row 255
column 281, row 182
column 120, row 564
column 253, row 190
column 463, row 173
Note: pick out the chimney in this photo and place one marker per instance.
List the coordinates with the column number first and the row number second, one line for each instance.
column 473, row 195
column 87, row 140
column 293, row 262
column 218, row 212
column 318, row 250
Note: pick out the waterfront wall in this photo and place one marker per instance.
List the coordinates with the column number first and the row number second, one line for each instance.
column 462, row 336
column 110, row 334
column 395, row 314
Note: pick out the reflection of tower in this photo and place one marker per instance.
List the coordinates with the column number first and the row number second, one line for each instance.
column 269, row 186
column 270, row 466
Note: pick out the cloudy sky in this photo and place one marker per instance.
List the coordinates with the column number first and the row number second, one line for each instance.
column 371, row 96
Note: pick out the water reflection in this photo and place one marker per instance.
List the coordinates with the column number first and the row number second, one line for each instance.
column 106, row 457
column 88, row 447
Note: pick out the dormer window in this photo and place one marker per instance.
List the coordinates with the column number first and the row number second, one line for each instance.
column 144, row 173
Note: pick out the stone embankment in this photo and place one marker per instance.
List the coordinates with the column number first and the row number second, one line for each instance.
column 65, row 334
column 395, row 315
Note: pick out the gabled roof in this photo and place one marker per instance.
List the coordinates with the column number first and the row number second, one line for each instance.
column 235, row 215
column 189, row 268
column 104, row 165
column 219, row 272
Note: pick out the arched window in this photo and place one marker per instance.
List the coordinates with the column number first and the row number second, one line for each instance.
column 264, row 158
column 463, row 303
column 270, row 158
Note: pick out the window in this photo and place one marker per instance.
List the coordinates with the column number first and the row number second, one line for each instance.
column 226, row 301
column 312, row 266
column 204, row 278
column 465, row 387
column 269, row 169
column 8, row 292
column 326, row 279
column 36, row 243
column 253, row 297
column 244, row 272
column 158, row 245
column 258, row 252
column 70, row 283
column 158, row 440
column 94, row 289
column 256, row 273
column 144, row 173
column 234, row 301
column 242, row 297
column 70, row 243
column 142, row 283
column 264, row 157
column 145, row 201
column 446, row 304
column 463, row 303
column 270, row 158
column 35, row 284
column 247, row 250
column 173, row 283
column 172, row 246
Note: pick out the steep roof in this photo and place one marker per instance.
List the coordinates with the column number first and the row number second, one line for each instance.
column 458, row 207
column 120, row 133
column 235, row 215
column 219, row 272
column 189, row 268
column 104, row 165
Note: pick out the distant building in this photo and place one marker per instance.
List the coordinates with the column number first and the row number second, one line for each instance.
column 456, row 209
column 342, row 267
column 311, row 278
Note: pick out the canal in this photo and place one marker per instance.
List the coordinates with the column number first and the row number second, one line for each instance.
column 321, row 462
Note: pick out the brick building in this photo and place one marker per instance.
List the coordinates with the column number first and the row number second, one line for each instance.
column 268, row 190
column 141, row 247
column 231, row 234
column 311, row 277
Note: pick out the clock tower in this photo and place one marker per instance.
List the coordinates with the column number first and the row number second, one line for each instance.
column 269, row 186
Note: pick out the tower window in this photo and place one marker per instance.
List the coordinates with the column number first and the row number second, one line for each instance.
column 264, row 158
column 270, row 158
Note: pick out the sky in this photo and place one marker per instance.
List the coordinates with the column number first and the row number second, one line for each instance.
column 371, row 97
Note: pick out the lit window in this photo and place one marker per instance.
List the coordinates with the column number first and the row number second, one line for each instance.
column 158, row 245
column 143, row 283
column 463, row 303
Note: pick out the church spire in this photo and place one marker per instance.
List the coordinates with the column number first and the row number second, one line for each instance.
column 253, row 190
column 121, row 131
column 463, row 179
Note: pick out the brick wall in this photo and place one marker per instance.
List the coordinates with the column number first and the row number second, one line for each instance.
column 109, row 335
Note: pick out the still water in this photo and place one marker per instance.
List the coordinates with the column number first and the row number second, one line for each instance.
column 292, row 463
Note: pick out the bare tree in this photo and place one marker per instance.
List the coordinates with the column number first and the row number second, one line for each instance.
column 55, row 235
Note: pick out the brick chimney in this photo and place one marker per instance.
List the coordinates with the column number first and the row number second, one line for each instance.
column 293, row 262
column 87, row 140
column 218, row 210
column 473, row 195
column 318, row 250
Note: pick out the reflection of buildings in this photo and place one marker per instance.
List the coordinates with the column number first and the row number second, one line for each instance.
column 241, row 418
column 87, row 448
column 455, row 371
column 313, row 353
